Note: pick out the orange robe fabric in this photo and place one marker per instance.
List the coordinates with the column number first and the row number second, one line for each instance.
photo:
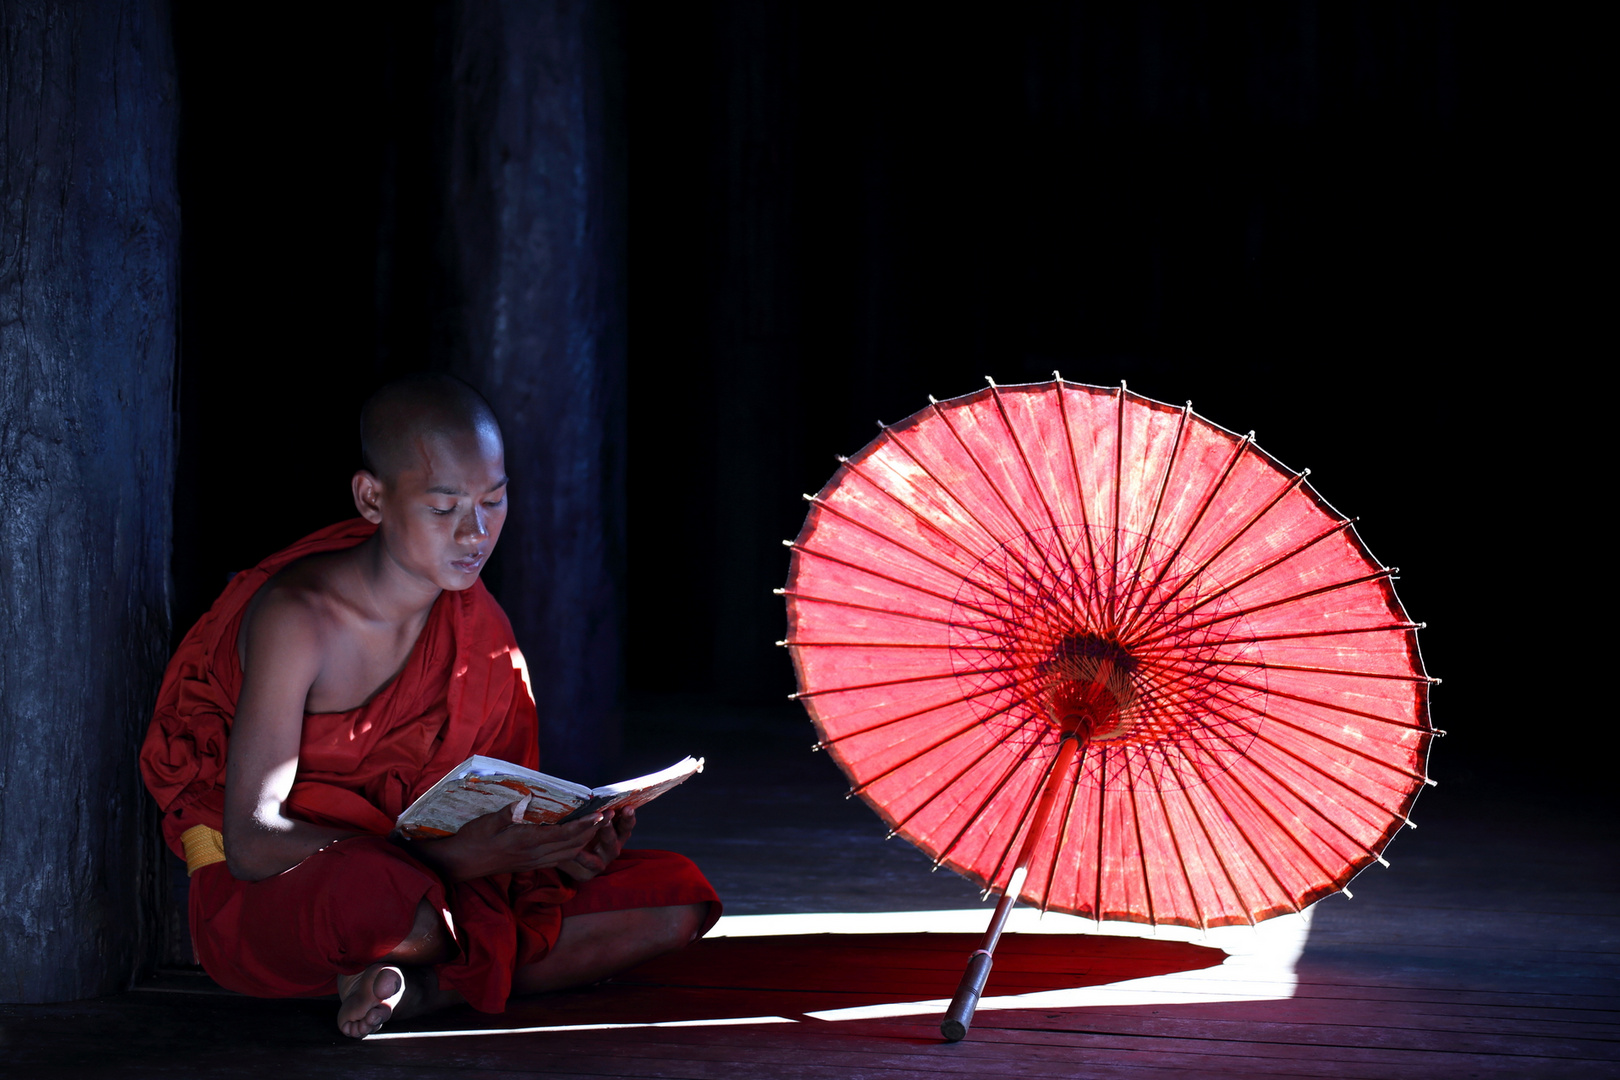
column 463, row 691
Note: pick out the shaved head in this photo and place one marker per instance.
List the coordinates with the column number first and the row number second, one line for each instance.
column 399, row 419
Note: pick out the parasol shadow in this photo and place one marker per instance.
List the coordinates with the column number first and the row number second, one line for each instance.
column 790, row 976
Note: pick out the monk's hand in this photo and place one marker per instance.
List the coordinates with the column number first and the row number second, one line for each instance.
column 496, row 844
column 604, row 846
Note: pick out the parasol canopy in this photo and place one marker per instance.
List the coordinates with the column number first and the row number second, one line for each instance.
column 1235, row 687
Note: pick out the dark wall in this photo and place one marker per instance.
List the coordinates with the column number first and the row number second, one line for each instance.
column 1349, row 227
column 89, row 236
column 414, row 187
column 1333, row 224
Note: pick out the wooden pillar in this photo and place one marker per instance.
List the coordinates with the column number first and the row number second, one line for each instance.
column 88, row 245
column 534, row 254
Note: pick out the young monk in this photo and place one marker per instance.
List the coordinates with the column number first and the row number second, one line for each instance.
column 334, row 683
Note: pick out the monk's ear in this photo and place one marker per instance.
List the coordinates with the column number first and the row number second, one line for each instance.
column 368, row 494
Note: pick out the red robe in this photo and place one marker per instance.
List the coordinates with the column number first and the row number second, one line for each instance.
column 463, row 691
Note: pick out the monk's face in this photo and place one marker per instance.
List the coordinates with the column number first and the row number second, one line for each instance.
column 441, row 514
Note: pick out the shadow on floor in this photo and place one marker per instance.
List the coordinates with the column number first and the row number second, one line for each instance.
column 790, row 976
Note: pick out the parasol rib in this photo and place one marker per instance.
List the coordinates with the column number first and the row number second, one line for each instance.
column 1247, row 904
column 1175, row 843
column 1080, row 493
column 1312, row 701
column 1119, row 466
column 1026, row 826
column 1040, row 490
column 897, row 824
column 1141, row 848
column 1203, row 507
column 1153, row 522
column 1062, row 840
column 1242, row 613
column 1270, row 666
column 995, row 537
column 952, row 571
column 1057, row 596
column 972, row 723
column 892, row 580
column 1007, row 775
column 807, row 598
column 1289, row 635
column 824, row 743
column 895, row 682
column 1102, row 820
column 1311, row 804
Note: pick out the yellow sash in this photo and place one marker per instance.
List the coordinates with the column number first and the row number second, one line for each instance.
column 204, row 847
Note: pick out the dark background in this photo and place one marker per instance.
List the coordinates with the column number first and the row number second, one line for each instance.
column 1354, row 228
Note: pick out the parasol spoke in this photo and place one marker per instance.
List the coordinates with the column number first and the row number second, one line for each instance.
column 1080, row 493
column 1027, row 827
column 1310, row 802
column 953, row 571
column 801, row 695
column 1141, row 847
column 1102, row 800
column 1153, row 522
column 1186, row 534
column 973, row 818
column 871, row 645
column 900, row 823
column 1058, row 596
column 1035, row 578
column 1311, row 670
column 1175, row 843
column 1243, row 613
column 831, row 602
column 1285, row 635
column 973, row 723
column 912, row 585
column 1062, row 840
column 1207, row 785
column 1029, row 471
column 1118, row 525
column 984, row 692
column 1239, row 683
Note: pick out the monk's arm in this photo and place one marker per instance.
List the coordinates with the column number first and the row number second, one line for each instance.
column 281, row 658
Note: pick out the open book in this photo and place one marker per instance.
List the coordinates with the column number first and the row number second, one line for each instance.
column 482, row 785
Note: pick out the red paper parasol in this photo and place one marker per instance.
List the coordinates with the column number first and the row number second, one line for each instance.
column 1099, row 654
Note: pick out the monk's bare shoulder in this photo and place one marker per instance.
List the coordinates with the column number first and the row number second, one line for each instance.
column 292, row 625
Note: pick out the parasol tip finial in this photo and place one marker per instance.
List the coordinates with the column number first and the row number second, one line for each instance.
column 787, row 543
column 1056, row 374
column 778, row 592
column 932, row 400
column 1348, row 895
column 782, row 644
column 1122, row 387
column 991, row 381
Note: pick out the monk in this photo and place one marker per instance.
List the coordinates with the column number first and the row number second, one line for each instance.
column 333, row 684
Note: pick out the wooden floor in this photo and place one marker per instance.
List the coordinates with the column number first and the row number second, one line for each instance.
column 1487, row 950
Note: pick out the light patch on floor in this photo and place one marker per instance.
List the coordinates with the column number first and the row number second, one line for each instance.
column 1259, row 964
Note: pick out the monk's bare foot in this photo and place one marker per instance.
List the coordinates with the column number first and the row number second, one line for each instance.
column 369, row 999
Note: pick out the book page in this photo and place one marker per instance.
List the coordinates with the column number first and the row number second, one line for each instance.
column 481, row 785
column 642, row 790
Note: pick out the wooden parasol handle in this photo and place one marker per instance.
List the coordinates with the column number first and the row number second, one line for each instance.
column 959, row 1017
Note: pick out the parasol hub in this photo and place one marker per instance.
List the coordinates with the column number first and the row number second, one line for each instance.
column 1091, row 693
